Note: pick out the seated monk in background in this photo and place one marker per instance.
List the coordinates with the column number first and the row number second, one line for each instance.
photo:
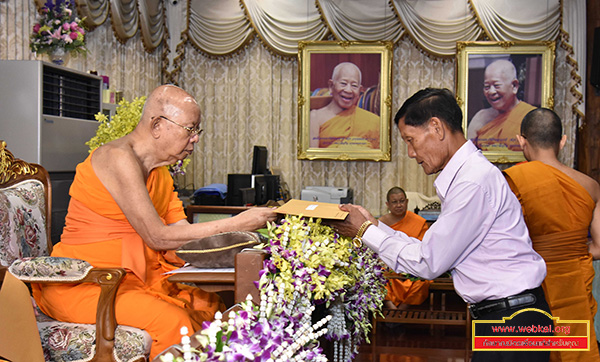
column 401, row 293
column 560, row 206
column 341, row 123
column 124, row 213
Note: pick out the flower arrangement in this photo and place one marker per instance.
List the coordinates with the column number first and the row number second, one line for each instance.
column 126, row 118
column 348, row 281
column 278, row 330
column 58, row 28
column 309, row 267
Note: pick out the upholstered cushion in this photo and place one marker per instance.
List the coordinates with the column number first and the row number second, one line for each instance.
column 50, row 268
column 22, row 221
column 71, row 342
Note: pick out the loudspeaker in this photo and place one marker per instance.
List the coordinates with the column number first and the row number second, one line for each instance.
column 595, row 66
column 266, row 187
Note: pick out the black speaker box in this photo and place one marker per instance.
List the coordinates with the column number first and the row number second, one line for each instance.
column 266, row 187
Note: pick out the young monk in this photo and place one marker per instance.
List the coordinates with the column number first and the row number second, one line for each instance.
column 560, row 206
column 402, row 293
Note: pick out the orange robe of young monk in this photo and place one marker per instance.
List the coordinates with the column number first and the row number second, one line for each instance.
column 407, row 291
column 97, row 231
column 558, row 212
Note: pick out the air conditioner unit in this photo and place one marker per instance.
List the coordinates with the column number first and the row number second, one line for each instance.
column 48, row 112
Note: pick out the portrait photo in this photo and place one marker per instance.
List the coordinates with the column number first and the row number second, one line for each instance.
column 344, row 100
column 497, row 85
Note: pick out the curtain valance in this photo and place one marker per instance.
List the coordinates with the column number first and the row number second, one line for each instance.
column 224, row 27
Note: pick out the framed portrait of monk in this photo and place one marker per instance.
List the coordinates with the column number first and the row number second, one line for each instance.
column 344, row 100
column 497, row 84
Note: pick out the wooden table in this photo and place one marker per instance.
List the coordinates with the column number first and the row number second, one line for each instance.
column 240, row 280
column 208, row 280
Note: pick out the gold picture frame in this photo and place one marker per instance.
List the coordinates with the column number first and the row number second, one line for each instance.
column 344, row 120
column 491, row 113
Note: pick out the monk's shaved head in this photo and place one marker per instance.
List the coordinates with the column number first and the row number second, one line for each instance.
column 503, row 68
column 171, row 101
column 542, row 128
column 393, row 191
column 349, row 67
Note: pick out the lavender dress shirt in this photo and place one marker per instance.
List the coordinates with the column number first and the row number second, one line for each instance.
column 480, row 234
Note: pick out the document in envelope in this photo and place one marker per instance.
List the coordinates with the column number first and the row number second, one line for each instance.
column 314, row 209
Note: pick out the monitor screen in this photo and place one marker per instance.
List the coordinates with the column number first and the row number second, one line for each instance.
column 259, row 161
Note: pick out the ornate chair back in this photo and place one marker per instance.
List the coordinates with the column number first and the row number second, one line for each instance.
column 25, row 247
column 25, row 209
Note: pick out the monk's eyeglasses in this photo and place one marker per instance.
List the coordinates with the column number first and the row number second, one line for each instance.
column 192, row 131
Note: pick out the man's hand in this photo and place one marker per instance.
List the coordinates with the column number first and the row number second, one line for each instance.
column 357, row 215
column 254, row 218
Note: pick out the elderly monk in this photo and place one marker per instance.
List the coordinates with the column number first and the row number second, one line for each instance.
column 401, row 293
column 124, row 213
column 495, row 128
column 560, row 206
column 341, row 123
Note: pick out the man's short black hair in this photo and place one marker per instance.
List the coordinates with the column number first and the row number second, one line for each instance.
column 542, row 128
column 431, row 102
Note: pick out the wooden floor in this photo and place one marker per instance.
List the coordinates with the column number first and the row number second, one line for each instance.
column 415, row 343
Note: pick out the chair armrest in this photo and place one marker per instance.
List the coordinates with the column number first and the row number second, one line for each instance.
column 50, row 269
column 248, row 264
column 57, row 270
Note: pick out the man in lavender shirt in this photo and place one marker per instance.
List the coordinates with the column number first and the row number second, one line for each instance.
column 480, row 235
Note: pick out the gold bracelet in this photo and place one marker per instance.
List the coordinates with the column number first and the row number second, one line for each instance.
column 357, row 240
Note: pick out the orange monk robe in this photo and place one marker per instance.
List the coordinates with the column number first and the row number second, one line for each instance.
column 353, row 127
column 97, row 231
column 500, row 133
column 406, row 291
column 558, row 213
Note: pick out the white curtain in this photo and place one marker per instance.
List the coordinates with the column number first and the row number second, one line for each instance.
column 239, row 60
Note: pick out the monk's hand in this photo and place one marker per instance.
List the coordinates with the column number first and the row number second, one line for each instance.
column 255, row 218
column 350, row 225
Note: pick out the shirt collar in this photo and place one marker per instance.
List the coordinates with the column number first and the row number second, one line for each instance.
column 444, row 179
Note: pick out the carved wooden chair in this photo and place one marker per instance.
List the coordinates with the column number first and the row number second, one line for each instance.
column 25, row 246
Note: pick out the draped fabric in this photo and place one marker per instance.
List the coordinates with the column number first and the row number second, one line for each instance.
column 94, row 12
column 125, row 18
column 436, row 26
column 510, row 20
column 361, row 20
column 152, row 18
column 226, row 26
column 239, row 60
column 218, row 26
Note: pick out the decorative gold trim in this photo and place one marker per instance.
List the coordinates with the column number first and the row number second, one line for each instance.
column 564, row 43
column 547, row 50
column 214, row 250
column 10, row 167
column 306, row 48
column 324, row 20
column 478, row 19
